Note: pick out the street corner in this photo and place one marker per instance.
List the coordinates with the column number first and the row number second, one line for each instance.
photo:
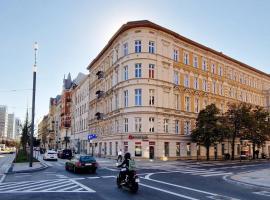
column 253, row 179
column 25, row 168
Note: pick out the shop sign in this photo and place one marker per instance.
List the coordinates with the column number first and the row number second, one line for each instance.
column 140, row 137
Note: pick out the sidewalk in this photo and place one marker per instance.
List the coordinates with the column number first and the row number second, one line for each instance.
column 260, row 178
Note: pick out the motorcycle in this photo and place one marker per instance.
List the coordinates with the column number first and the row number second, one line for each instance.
column 131, row 181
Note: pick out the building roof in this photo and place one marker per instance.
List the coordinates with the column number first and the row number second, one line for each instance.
column 149, row 24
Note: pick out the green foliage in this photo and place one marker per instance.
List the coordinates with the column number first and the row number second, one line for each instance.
column 25, row 133
column 237, row 119
column 209, row 128
column 22, row 156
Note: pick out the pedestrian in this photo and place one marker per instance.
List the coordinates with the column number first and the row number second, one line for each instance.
column 119, row 156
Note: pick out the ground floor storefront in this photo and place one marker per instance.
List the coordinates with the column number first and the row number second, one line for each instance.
column 169, row 147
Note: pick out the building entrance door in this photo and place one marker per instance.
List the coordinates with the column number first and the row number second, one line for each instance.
column 151, row 152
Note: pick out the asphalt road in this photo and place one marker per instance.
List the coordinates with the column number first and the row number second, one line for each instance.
column 159, row 181
column 5, row 161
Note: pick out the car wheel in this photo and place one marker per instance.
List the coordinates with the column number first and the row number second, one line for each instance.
column 75, row 170
column 94, row 171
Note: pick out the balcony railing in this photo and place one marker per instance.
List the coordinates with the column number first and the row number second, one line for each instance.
column 100, row 74
column 99, row 94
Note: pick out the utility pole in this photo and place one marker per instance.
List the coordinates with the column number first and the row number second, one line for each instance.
column 33, row 105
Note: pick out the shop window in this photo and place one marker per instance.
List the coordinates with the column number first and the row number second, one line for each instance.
column 178, row 149
column 166, row 149
column 138, row 150
column 188, row 149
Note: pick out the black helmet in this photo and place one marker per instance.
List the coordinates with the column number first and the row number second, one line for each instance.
column 127, row 156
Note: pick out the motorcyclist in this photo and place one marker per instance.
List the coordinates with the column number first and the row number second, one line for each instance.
column 125, row 165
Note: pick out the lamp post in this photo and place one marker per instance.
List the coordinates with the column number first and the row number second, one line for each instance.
column 33, row 105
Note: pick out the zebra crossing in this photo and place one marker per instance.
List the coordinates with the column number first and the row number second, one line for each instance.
column 53, row 185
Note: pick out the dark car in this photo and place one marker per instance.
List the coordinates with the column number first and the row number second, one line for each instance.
column 82, row 163
column 65, row 154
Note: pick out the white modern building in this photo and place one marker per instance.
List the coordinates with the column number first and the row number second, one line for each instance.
column 17, row 129
column 3, row 121
column 11, row 126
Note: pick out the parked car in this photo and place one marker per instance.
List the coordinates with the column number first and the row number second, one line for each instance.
column 82, row 163
column 65, row 154
column 50, row 155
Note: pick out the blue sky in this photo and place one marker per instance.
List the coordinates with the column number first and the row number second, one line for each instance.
column 71, row 33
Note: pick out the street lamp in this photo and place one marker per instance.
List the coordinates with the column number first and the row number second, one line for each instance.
column 33, row 105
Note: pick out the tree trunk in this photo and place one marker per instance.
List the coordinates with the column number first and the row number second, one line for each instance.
column 207, row 152
column 233, row 144
column 253, row 149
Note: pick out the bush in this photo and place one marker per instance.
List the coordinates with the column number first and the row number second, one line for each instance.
column 22, row 156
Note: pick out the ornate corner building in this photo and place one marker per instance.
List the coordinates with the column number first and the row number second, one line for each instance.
column 148, row 84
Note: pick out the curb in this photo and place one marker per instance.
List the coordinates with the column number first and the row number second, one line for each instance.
column 28, row 170
column 248, row 185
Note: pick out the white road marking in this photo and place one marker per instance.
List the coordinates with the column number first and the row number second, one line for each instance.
column 169, row 192
column 2, row 178
column 49, row 164
column 93, row 177
column 83, row 186
column 264, row 193
column 216, row 174
column 68, row 188
column 60, row 186
column 108, row 176
column 61, row 182
column 114, row 170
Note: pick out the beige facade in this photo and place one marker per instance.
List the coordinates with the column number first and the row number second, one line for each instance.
column 79, row 114
column 148, row 84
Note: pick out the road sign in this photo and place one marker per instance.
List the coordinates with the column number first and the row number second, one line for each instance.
column 92, row 136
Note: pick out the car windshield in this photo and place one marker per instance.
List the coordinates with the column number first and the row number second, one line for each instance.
column 87, row 159
column 51, row 153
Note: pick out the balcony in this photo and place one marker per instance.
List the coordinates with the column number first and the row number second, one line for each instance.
column 100, row 74
column 99, row 94
column 99, row 115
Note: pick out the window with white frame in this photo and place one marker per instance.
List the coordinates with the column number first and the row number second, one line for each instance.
column 196, row 83
column 186, row 80
column 177, row 101
column 151, row 97
column 125, row 73
column 125, row 49
column 166, row 125
column 187, row 127
column 221, row 89
column 151, row 71
column 126, row 125
column 187, row 103
column 186, row 58
column 151, row 47
column 117, row 53
column 176, row 126
column 138, row 70
column 195, row 61
column 197, row 105
column 213, row 68
column 116, row 101
column 204, row 64
column 151, row 124
column 138, row 46
column 138, row 124
column 176, row 77
column 175, row 55
column 138, row 97
column 126, row 98
column 214, row 85
column 220, row 71
column 205, row 85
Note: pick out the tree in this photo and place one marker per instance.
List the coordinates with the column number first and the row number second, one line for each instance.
column 237, row 117
column 208, row 128
column 258, row 129
column 25, row 133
